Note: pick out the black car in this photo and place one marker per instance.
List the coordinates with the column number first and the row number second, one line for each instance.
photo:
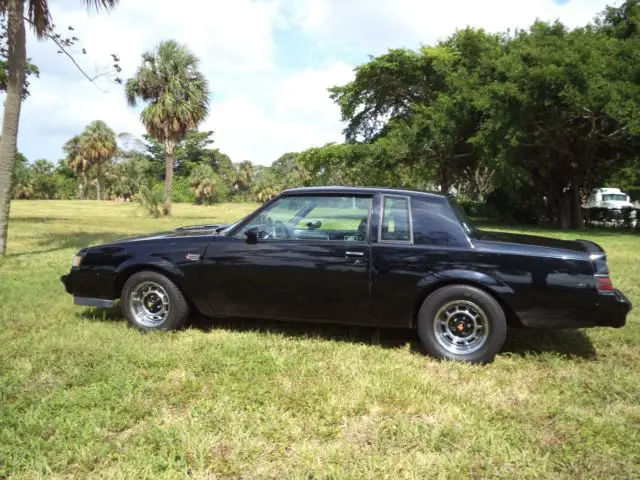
column 362, row 256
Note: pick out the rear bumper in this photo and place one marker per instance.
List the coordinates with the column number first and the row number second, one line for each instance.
column 613, row 309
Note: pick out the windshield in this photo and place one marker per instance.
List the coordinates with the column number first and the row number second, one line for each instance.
column 467, row 224
column 614, row 197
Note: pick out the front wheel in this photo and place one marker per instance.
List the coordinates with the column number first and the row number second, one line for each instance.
column 150, row 301
column 459, row 322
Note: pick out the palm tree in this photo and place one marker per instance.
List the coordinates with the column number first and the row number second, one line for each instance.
column 177, row 99
column 38, row 16
column 98, row 145
column 245, row 172
column 206, row 184
column 79, row 164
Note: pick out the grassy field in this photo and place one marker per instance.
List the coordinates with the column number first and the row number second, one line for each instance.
column 81, row 394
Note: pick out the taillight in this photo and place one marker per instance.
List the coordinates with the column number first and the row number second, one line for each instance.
column 605, row 284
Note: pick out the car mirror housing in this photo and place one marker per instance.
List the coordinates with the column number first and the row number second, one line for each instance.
column 252, row 236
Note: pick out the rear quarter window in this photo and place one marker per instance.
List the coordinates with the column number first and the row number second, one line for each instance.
column 435, row 224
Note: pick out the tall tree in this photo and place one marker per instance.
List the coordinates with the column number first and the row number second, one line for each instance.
column 176, row 95
column 78, row 163
column 97, row 146
column 37, row 15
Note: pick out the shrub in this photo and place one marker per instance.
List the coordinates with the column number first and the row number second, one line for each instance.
column 151, row 199
column 66, row 188
column 477, row 209
column 182, row 192
column 603, row 217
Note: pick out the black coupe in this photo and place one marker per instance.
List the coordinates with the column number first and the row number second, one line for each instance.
column 363, row 256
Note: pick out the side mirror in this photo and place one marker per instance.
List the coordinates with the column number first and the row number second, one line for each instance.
column 314, row 224
column 252, row 236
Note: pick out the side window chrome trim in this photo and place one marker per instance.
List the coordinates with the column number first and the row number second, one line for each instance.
column 381, row 221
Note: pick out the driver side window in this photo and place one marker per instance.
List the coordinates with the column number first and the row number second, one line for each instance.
column 343, row 218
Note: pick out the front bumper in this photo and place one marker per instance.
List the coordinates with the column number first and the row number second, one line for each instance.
column 81, row 289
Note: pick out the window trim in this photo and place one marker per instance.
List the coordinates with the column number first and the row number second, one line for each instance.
column 410, row 210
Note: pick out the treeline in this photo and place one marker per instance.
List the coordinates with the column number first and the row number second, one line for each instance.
column 521, row 125
column 102, row 165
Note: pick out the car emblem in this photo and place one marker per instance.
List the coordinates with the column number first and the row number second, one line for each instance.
column 192, row 256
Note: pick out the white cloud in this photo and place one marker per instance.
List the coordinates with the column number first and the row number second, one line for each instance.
column 262, row 106
column 372, row 26
column 282, row 113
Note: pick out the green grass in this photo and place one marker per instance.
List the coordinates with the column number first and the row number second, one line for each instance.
column 81, row 394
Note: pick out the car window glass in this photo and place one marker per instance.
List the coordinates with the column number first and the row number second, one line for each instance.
column 435, row 224
column 396, row 222
column 313, row 218
column 614, row 197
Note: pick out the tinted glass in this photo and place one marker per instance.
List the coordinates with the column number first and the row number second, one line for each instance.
column 467, row 224
column 396, row 224
column 435, row 224
column 313, row 218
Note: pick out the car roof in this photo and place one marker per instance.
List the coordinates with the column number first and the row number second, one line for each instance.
column 333, row 189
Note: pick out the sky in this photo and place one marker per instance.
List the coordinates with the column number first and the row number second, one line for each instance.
column 269, row 62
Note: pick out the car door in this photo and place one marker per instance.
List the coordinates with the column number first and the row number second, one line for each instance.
column 306, row 258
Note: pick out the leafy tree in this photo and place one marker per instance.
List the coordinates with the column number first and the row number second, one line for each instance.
column 568, row 108
column 207, row 186
column 266, row 184
column 97, row 145
column 423, row 101
column 176, row 95
column 289, row 171
column 22, row 179
column 30, row 69
column 244, row 174
column 130, row 175
column 38, row 16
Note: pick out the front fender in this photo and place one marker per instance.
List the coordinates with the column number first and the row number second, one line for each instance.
column 137, row 264
column 154, row 262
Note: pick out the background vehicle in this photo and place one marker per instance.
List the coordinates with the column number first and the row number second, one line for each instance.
column 611, row 198
column 364, row 256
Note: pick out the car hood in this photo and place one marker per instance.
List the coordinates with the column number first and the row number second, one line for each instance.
column 531, row 241
column 181, row 232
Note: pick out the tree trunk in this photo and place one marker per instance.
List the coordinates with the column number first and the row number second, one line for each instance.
column 98, row 182
column 85, row 186
column 564, row 210
column 577, row 220
column 17, row 59
column 445, row 183
column 168, row 178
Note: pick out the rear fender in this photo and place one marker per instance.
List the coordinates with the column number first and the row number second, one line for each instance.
column 465, row 276
column 495, row 287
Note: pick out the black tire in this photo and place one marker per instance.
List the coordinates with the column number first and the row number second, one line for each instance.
column 447, row 339
column 174, row 312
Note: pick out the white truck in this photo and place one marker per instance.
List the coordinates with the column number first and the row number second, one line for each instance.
column 610, row 198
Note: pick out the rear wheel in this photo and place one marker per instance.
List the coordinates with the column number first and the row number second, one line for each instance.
column 150, row 301
column 459, row 322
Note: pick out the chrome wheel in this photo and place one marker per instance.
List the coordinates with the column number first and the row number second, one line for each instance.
column 149, row 303
column 461, row 327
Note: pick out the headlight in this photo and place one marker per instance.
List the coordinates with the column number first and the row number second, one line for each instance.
column 77, row 260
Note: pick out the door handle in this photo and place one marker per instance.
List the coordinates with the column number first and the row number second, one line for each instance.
column 355, row 258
